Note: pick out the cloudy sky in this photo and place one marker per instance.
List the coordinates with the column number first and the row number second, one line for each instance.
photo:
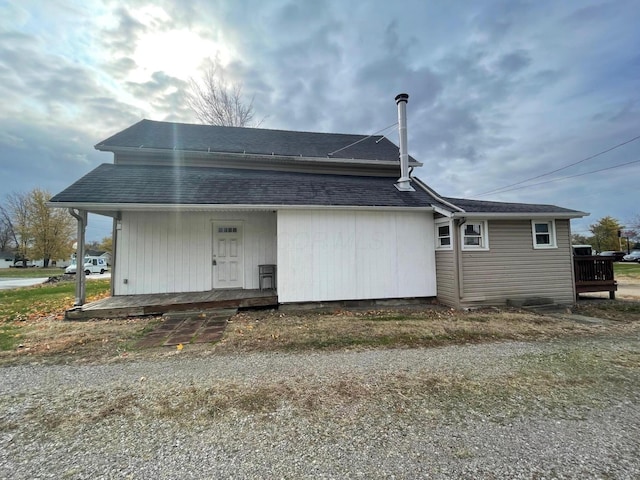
column 500, row 91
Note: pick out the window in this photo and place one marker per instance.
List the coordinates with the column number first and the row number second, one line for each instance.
column 227, row 229
column 443, row 235
column 474, row 236
column 544, row 234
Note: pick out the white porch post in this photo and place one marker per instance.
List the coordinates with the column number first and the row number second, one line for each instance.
column 81, row 217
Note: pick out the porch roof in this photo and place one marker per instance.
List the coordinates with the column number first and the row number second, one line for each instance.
column 493, row 208
column 112, row 184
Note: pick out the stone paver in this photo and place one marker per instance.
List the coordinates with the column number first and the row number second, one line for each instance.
column 188, row 327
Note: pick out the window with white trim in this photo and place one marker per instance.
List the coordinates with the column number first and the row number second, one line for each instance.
column 544, row 234
column 474, row 236
column 443, row 235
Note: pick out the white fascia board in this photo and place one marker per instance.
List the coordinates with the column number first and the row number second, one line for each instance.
column 519, row 215
column 110, row 207
column 431, row 192
column 255, row 156
column 442, row 211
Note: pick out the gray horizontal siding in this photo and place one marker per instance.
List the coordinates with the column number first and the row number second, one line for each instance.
column 513, row 270
column 446, row 277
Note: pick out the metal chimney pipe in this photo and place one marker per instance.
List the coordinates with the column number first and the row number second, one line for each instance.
column 404, row 182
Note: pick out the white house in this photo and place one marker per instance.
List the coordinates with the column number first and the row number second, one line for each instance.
column 200, row 207
column 7, row 259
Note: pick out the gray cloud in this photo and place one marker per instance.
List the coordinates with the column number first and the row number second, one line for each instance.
column 499, row 90
column 121, row 40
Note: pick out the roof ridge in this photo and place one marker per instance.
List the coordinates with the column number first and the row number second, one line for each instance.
column 255, row 128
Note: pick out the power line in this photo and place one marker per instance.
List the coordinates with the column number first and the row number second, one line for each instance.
column 570, row 176
column 362, row 139
column 558, row 169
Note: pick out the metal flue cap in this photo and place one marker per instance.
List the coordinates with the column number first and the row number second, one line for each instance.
column 402, row 97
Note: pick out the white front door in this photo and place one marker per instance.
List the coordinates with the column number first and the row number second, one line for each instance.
column 227, row 255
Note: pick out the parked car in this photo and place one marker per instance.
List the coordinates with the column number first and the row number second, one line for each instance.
column 617, row 256
column 91, row 265
column 582, row 250
column 632, row 257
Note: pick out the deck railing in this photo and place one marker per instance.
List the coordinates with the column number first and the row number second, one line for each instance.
column 594, row 274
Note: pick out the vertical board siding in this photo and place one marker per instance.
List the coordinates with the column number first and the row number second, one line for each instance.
column 513, row 270
column 326, row 255
column 447, row 277
column 162, row 252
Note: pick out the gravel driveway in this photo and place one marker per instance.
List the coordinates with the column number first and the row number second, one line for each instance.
column 154, row 418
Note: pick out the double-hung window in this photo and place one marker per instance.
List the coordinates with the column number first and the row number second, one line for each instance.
column 474, row 235
column 443, row 235
column 544, row 234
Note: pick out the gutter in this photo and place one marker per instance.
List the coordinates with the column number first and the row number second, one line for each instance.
column 114, row 207
column 431, row 192
column 519, row 215
column 253, row 156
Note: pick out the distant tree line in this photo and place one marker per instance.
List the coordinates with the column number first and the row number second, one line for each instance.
column 609, row 234
column 31, row 230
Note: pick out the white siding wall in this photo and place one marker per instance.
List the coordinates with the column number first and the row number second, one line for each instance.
column 161, row 252
column 326, row 255
column 6, row 262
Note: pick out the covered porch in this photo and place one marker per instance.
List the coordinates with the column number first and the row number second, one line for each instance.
column 122, row 306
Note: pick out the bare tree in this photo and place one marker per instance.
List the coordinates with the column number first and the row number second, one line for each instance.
column 217, row 102
column 6, row 232
column 15, row 213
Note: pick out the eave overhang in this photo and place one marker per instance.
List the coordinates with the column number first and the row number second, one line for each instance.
column 519, row 215
column 155, row 207
column 251, row 157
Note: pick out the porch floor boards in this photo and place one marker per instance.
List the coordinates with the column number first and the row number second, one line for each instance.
column 156, row 304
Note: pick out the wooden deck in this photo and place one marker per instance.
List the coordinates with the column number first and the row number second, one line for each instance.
column 156, row 304
column 594, row 273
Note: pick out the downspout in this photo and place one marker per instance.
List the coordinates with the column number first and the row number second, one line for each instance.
column 458, row 256
column 573, row 268
column 114, row 247
column 81, row 217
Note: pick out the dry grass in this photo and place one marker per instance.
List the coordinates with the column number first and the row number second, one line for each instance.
column 39, row 336
column 269, row 331
column 57, row 339
column 625, row 312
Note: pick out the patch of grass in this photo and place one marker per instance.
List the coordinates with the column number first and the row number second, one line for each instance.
column 627, row 270
column 9, row 336
column 618, row 310
column 251, row 331
column 34, row 272
column 33, row 317
column 45, row 300
column 59, row 341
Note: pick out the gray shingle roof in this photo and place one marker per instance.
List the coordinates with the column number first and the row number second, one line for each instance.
column 260, row 141
column 152, row 184
column 482, row 206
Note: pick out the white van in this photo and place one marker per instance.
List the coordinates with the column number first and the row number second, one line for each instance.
column 91, row 265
